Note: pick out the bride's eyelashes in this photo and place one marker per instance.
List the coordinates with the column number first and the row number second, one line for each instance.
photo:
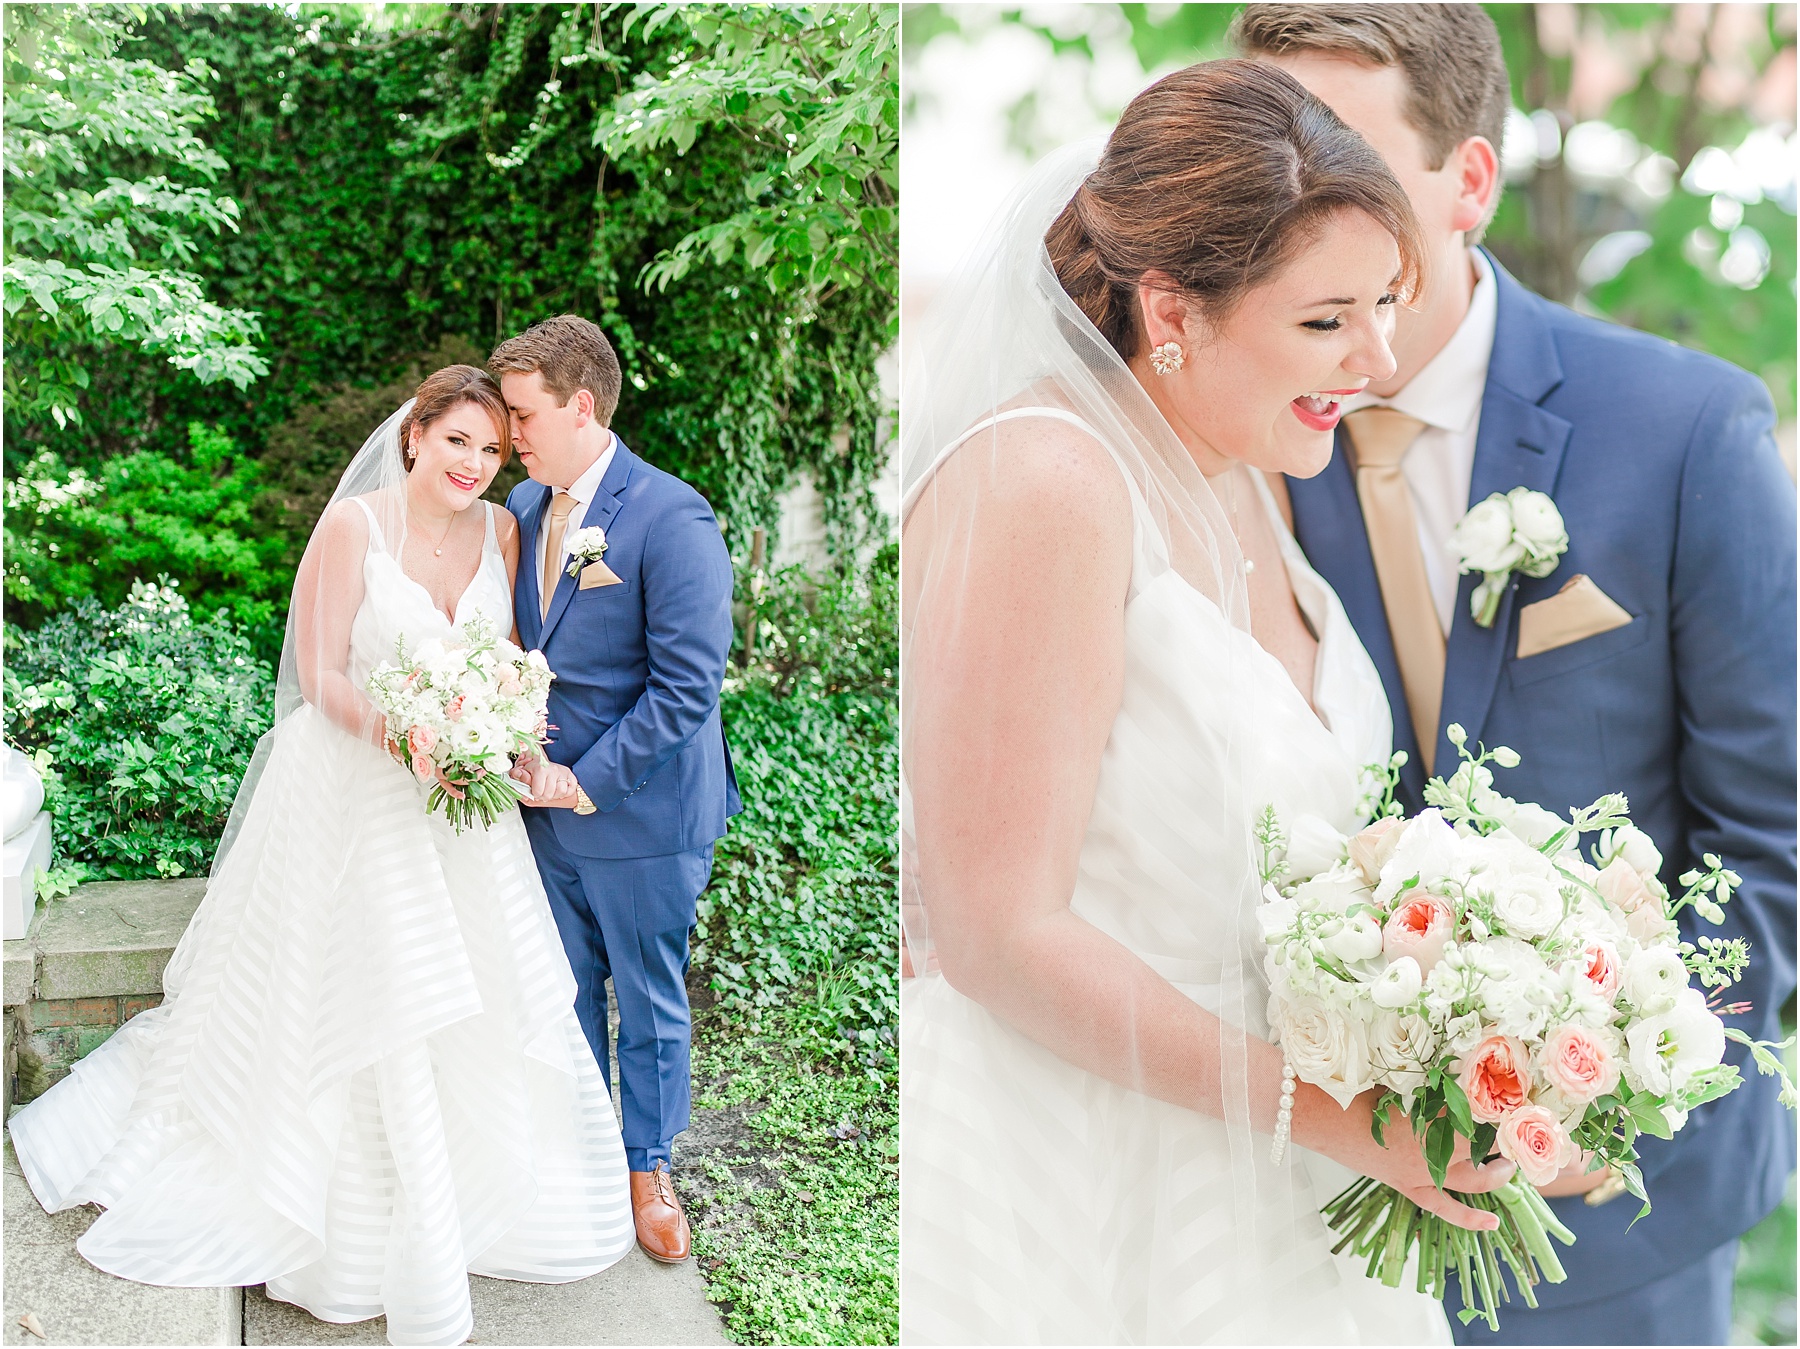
column 1336, row 321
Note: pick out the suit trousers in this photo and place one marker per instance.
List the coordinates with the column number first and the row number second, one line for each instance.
column 628, row 920
column 1692, row 1305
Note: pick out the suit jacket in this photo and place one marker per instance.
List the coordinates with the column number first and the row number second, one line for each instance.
column 635, row 704
column 1677, row 505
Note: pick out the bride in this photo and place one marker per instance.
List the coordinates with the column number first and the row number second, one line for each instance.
column 1115, row 657
column 367, row 1078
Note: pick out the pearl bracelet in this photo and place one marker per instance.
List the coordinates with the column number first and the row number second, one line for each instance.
column 1284, row 1116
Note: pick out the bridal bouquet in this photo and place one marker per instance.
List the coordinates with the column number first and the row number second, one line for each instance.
column 459, row 715
column 1496, row 985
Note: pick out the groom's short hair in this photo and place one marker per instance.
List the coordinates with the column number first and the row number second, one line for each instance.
column 570, row 353
column 1456, row 81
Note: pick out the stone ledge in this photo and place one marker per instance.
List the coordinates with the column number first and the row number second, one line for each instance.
column 90, row 963
column 111, row 939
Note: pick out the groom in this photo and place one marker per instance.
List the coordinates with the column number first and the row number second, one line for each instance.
column 625, row 586
column 1657, row 659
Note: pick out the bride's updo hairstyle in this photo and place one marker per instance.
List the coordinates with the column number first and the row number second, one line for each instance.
column 1217, row 175
column 443, row 390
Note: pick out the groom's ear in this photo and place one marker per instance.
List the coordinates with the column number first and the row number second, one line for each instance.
column 1477, row 166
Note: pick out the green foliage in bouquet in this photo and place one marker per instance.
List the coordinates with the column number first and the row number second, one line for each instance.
column 802, row 901
column 141, row 722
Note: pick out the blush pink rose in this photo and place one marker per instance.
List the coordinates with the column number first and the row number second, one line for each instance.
column 1420, row 927
column 1577, row 1063
column 1601, row 968
column 1371, row 849
column 422, row 768
column 453, row 709
column 1623, row 888
column 1496, row 1077
column 509, row 682
column 421, row 740
column 1535, row 1139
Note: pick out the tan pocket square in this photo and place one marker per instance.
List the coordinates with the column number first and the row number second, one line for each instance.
column 597, row 574
column 1580, row 609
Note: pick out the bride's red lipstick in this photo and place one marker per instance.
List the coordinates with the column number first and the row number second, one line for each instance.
column 1306, row 408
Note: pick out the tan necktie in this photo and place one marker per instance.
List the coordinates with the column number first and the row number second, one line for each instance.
column 560, row 506
column 1381, row 437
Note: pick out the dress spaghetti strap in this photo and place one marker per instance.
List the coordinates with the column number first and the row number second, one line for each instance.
column 375, row 535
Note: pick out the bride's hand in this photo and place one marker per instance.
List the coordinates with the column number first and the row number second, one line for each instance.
column 1344, row 1136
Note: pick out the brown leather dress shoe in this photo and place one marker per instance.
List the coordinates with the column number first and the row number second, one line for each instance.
column 662, row 1228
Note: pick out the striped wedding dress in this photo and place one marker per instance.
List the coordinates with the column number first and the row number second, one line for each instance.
column 366, row 1079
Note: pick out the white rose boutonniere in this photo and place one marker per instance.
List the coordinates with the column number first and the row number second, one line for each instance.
column 585, row 546
column 1520, row 531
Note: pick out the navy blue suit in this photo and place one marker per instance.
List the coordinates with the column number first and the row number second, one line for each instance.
column 1662, row 463
column 634, row 711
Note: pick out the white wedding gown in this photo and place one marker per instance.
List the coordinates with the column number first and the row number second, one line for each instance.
column 366, row 1079
column 1042, row 1204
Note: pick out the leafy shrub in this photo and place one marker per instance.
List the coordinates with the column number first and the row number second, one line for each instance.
column 801, row 910
column 142, row 723
column 191, row 516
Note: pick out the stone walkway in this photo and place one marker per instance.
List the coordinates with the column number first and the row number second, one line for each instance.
column 637, row 1301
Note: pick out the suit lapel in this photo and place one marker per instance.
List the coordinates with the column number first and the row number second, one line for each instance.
column 1328, row 523
column 530, row 518
column 1519, row 445
column 600, row 511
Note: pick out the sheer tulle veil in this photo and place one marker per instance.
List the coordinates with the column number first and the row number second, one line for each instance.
column 377, row 474
column 1003, row 333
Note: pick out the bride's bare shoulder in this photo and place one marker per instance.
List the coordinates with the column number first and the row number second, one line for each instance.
column 1036, row 462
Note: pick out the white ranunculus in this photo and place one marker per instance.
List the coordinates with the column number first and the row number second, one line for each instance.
column 1483, row 538
column 1326, row 1047
column 1529, row 906
column 1536, row 522
column 1398, row 985
column 1357, row 940
column 1654, row 979
column 1669, row 1048
column 1313, row 845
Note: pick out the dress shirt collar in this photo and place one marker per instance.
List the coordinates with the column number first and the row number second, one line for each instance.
column 1447, row 392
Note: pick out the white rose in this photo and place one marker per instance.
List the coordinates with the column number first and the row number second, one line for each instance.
column 1327, row 1048
column 1398, row 985
column 1536, row 523
column 1530, row 906
column 1654, row 979
column 1483, row 538
column 1401, row 1050
column 1669, row 1048
column 1313, row 846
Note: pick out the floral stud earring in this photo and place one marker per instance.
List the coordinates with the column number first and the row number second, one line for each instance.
column 1166, row 359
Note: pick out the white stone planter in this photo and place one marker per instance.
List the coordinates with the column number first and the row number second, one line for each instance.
column 27, row 848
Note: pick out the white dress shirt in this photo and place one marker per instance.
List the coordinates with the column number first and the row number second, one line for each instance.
column 1446, row 396
column 583, row 489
